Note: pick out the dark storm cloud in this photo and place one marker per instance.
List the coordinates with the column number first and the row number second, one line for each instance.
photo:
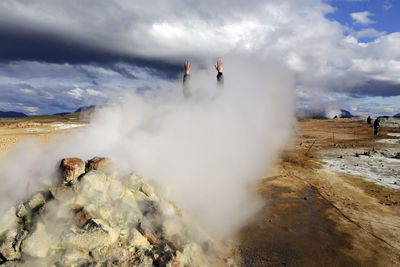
column 19, row 44
column 376, row 88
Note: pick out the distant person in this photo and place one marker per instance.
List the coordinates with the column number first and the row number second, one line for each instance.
column 186, row 77
column 377, row 124
column 369, row 120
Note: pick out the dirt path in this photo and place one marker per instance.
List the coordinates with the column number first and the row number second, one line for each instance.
column 313, row 217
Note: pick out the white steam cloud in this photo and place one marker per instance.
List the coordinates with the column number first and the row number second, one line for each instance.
column 209, row 150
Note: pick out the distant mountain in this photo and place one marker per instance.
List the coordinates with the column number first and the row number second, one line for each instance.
column 80, row 109
column 84, row 108
column 12, row 114
column 62, row 113
column 345, row 114
column 397, row 115
column 321, row 113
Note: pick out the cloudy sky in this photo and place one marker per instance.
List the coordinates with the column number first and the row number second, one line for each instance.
column 58, row 55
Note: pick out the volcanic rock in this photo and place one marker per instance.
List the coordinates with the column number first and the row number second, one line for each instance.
column 138, row 241
column 103, row 218
column 57, row 192
column 96, row 163
column 94, row 182
column 72, row 168
column 11, row 245
column 82, row 216
column 95, row 234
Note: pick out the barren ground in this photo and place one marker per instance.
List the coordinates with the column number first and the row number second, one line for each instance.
column 312, row 216
column 43, row 128
column 315, row 217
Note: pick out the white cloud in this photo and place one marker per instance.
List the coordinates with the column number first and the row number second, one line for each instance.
column 369, row 33
column 27, row 91
column 93, row 92
column 31, row 110
column 76, row 93
column 362, row 17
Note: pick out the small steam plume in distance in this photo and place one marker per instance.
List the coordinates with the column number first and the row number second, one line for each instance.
column 209, row 151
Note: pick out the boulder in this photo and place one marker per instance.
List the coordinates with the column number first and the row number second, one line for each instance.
column 10, row 248
column 82, row 216
column 71, row 169
column 29, row 209
column 94, row 182
column 96, row 163
column 58, row 192
column 37, row 201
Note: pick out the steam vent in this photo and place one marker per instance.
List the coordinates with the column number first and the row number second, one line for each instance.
column 99, row 217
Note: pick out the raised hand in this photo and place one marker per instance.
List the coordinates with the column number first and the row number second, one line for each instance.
column 187, row 67
column 219, row 66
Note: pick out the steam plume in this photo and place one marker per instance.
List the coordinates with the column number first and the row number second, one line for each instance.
column 208, row 150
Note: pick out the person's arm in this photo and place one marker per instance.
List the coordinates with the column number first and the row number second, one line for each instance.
column 186, row 81
column 220, row 77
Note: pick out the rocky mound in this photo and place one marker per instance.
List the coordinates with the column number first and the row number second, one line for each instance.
column 99, row 217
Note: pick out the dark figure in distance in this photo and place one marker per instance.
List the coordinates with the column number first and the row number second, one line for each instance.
column 377, row 124
column 369, row 120
column 186, row 78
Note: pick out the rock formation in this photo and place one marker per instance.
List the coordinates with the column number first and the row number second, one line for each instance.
column 99, row 217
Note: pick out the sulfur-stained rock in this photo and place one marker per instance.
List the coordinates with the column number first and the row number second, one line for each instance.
column 37, row 201
column 72, row 168
column 82, row 216
column 148, row 230
column 57, row 192
column 22, row 210
column 95, row 234
column 178, row 260
column 116, row 190
column 138, row 241
column 104, row 218
column 94, row 182
column 97, row 163
column 75, row 257
column 10, row 248
column 38, row 243
column 194, row 255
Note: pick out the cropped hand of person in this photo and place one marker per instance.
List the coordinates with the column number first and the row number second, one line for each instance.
column 219, row 66
column 187, row 67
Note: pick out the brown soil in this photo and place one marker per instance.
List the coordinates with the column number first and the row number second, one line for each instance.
column 14, row 130
column 313, row 217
